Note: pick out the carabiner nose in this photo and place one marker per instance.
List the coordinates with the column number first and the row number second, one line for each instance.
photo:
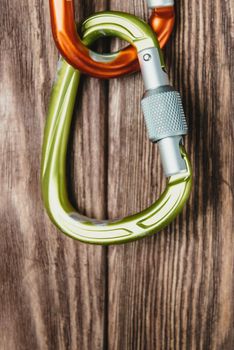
column 159, row 96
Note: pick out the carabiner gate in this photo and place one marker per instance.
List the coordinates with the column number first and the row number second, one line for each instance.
column 165, row 122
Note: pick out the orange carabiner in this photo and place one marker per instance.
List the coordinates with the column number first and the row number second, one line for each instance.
column 78, row 55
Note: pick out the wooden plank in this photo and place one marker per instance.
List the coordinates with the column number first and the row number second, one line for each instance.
column 171, row 291
column 175, row 290
column 52, row 288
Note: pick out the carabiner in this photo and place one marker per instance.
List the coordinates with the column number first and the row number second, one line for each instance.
column 114, row 65
column 166, row 124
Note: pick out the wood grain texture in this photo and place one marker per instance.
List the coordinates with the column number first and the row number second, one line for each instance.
column 173, row 291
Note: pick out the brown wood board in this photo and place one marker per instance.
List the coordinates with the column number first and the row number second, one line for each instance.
column 170, row 291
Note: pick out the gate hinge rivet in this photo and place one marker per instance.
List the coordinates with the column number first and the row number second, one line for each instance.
column 147, row 57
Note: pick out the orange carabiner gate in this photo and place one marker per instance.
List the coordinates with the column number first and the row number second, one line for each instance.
column 78, row 55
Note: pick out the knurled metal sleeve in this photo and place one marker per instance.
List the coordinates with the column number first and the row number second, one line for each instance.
column 164, row 114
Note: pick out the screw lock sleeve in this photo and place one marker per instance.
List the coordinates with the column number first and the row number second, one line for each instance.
column 164, row 114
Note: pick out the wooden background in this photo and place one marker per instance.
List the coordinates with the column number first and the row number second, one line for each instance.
column 171, row 291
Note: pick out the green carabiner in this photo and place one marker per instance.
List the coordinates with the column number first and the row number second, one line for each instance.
column 166, row 125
